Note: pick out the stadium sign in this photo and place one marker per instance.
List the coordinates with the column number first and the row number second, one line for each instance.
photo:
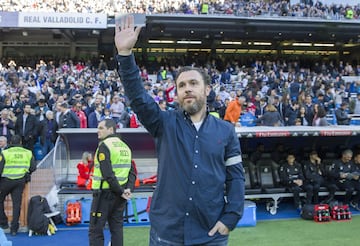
column 8, row 19
column 62, row 20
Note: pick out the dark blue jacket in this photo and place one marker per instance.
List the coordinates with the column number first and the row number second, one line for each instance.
column 193, row 167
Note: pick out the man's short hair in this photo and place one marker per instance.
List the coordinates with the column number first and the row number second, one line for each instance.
column 49, row 112
column 64, row 105
column 16, row 139
column 110, row 123
column 3, row 138
column 204, row 75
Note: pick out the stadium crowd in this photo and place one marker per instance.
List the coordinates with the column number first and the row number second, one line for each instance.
column 73, row 93
column 305, row 8
column 94, row 91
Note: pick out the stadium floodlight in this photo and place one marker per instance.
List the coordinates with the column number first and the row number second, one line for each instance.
column 263, row 43
column 153, row 41
column 95, row 32
column 301, row 44
column 324, row 45
column 231, row 42
column 188, row 42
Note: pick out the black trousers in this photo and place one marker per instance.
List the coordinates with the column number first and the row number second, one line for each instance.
column 349, row 188
column 106, row 206
column 15, row 187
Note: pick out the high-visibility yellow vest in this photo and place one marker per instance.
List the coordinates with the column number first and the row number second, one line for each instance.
column 216, row 114
column 17, row 162
column 120, row 156
column 163, row 74
column 349, row 14
column 205, row 8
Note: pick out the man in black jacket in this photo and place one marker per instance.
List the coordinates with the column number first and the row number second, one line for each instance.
column 68, row 119
column 291, row 175
column 47, row 130
column 26, row 126
column 342, row 116
column 315, row 175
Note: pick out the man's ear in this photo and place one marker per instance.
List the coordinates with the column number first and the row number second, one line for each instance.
column 207, row 90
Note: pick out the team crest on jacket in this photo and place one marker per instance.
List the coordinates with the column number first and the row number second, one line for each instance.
column 101, row 156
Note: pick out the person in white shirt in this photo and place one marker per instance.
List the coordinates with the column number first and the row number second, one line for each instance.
column 116, row 108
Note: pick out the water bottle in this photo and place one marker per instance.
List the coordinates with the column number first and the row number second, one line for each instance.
column 319, row 216
column 342, row 213
column 338, row 214
column 347, row 214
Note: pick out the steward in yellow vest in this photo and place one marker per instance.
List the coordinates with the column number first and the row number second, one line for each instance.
column 112, row 182
column 16, row 166
column 349, row 14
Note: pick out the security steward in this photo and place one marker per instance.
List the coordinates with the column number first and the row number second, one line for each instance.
column 112, row 182
column 16, row 165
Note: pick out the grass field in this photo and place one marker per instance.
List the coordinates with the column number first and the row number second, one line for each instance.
column 292, row 232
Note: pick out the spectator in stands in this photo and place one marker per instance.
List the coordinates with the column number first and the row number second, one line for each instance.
column 3, row 143
column 77, row 109
column 19, row 106
column 116, row 108
column 233, row 111
column 340, row 172
column 302, row 117
column 48, row 132
column 26, row 126
column 41, row 108
column 68, row 119
column 124, row 121
column 357, row 104
column 309, row 109
column 222, row 109
column 319, row 116
column 291, row 113
column 280, row 107
column 6, row 124
column 162, row 105
column 96, row 116
column 209, row 224
column 223, row 94
column 315, row 177
column 291, row 175
column 271, row 117
column 261, row 107
column 342, row 117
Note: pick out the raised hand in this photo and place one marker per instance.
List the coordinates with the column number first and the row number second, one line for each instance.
column 125, row 35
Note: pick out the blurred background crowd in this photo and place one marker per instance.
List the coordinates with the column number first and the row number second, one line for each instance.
column 302, row 8
column 39, row 95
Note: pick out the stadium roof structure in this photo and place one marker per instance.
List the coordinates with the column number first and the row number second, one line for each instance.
column 225, row 27
column 177, row 30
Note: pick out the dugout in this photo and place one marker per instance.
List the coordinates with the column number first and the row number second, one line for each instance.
column 59, row 166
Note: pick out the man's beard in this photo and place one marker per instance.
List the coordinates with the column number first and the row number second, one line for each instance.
column 193, row 108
